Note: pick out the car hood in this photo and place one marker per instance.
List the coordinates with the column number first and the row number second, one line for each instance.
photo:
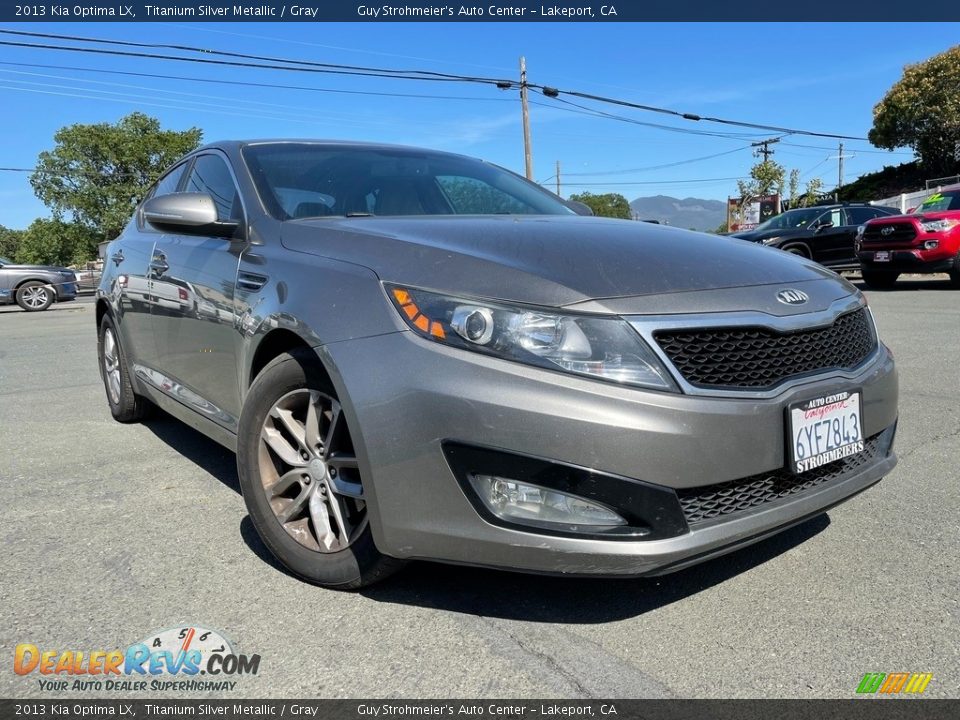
column 545, row 260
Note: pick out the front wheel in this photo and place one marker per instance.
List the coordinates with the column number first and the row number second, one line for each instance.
column 301, row 480
column 125, row 405
column 34, row 296
column 879, row 279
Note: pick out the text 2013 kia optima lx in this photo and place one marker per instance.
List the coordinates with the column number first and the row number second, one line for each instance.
column 421, row 355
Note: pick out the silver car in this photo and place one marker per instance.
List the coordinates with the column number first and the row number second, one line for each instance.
column 416, row 354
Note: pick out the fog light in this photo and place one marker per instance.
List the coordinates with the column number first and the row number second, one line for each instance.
column 931, row 245
column 530, row 504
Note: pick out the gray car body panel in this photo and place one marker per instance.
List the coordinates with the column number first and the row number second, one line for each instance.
column 320, row 280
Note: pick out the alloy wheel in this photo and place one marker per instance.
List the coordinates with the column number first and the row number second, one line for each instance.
column 35, row 296
column 309, row 472
column 111, row 365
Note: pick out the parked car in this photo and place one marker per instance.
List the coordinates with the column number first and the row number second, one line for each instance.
column 88, row 276
column 434, row 358
column 823, row 233
column 926, row 240
column 35, row 287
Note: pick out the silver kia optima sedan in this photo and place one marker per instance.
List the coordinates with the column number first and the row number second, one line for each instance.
column 416, row 354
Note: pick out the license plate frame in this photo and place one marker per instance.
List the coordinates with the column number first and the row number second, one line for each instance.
column 881, row 256
column 824, row 429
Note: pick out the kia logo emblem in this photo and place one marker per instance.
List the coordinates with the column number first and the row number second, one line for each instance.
column 792, row 297
column 887, row 230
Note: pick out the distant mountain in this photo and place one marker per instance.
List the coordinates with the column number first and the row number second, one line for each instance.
column 687, row 213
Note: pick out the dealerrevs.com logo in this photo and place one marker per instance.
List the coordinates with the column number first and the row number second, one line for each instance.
column 172, row 659
column 894, row 683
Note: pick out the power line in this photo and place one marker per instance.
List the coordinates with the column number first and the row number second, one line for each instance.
column 348, row 69
column 554, row 92
column 244, row 83
column 656, row 167
column 367, row 71
column 583, row 110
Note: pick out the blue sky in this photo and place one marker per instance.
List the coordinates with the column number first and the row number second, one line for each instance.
column 824, row 77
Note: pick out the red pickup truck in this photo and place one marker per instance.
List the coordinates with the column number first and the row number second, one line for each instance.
column 925, row 241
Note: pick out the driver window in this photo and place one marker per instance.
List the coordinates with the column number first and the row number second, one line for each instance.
column 169, row 182
column 210, row 175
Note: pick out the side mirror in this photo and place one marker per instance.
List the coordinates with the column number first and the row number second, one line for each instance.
column 823, row 226
column 578, row 207
column 191, row 213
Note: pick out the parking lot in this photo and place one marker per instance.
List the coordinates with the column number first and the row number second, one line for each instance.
column 113, row 532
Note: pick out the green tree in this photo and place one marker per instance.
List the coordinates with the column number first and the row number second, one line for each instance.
column 922, row 111
column 96, row 174
column 54, row 242
column 793, row 185
column 612, row 205
column 766, row 178
column 9, row 242
column 812, row 193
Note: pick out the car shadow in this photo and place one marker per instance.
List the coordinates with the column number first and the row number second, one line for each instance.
column 497, row 593
column 195, row 447
column 549, row 599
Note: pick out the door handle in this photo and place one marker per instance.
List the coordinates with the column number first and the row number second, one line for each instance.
column 117, row 257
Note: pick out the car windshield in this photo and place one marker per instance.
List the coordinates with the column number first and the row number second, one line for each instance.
column 297, row 180
column 940, row 201
column 791, row 219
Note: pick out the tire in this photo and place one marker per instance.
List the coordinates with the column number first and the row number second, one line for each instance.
column 34, row 296
column 879, row 279
column 125, row 405
column 800, row 250
column 300, row 477
column 955, row 273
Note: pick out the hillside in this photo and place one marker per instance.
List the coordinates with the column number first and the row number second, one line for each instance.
column 686, row 213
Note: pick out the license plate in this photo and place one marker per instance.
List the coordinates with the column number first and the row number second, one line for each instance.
column 881, row 256
column 825, row 429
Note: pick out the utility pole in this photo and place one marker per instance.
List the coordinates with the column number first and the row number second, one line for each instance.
column 840, row 170
column 527, row 150
column 558, row 178
column 763, row 148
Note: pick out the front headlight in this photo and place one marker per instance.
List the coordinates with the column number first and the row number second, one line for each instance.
column 770, row 241
column 606, row 348
column 938, row 225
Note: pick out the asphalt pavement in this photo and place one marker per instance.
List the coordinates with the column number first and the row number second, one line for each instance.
column 112, row 532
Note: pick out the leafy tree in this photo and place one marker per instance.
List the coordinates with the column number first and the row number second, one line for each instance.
column 9, row 242
column 722, row 228
column 813, row 192
column 54, row 242
column 612, row 205
column 766, row 178
column 922, row 111
column 793, row 185
column 97, row 173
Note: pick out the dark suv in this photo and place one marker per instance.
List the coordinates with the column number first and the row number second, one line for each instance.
column 35, row 287
column 824, row 233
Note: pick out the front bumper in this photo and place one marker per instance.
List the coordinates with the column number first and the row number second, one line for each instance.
column 405, row 408
column 909, row 261
column 66, row 291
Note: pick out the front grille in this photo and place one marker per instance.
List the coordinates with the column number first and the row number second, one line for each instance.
column 756, row 357
column 705, row 503
column 903, row 233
